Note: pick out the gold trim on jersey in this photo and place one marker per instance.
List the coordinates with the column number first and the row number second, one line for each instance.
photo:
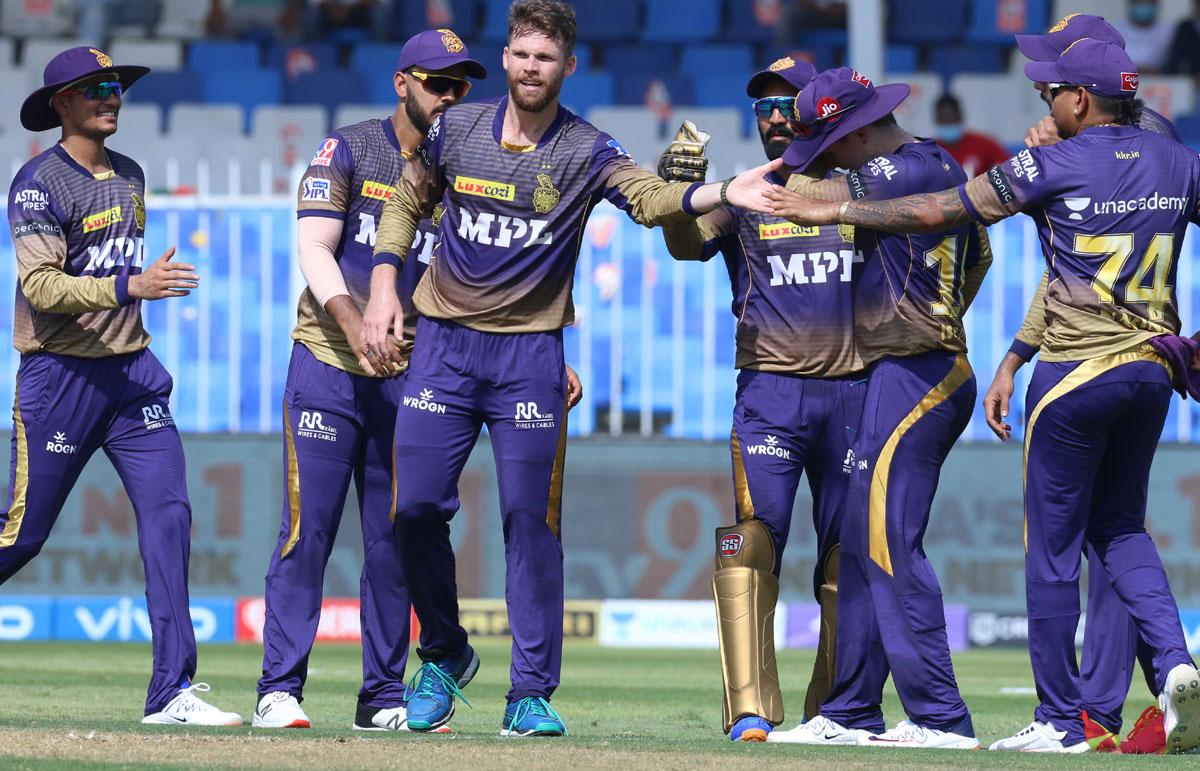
column 741, row 486
column 485, row 188
column 16, row 509
column 1086, row 372
column 554, row 503
column 877, row 509
column 293, row 485
column 768, row 232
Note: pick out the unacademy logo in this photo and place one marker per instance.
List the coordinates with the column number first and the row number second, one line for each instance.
column 1077, row 205
column 770, row 447
column 1152, row 202
column 59, row 445
column 425, row 402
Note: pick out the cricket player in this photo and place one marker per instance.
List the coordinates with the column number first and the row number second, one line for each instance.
column 799, row 401
column 1111, row 204
column 87, row 379
column 1110, row 642
column 908, row 329
column 339, row 407
column 517, row 177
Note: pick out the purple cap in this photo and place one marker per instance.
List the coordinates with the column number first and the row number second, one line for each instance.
column 1077, row 26
column 70, row 66
column 796, row 73
column 438, row 49
column 1102, row 68
column 833, row 105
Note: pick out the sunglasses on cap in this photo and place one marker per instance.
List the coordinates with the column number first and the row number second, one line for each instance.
column 442, row 84
column 99, row 91
column 786, row 105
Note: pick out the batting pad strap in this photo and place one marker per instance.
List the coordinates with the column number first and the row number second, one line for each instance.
column 745, row 600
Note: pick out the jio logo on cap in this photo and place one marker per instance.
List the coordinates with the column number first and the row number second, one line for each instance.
column 827, row 106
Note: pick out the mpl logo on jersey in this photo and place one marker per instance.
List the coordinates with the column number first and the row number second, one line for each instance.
column 26, row 618
column 156, row 416
column 32, row 200
column 424, row 402
column 731, row 545
column 59, row 446
column 123, row 250
column 785, row 230
column 499, row 230
column 529, row 416
column 376, row 190
column 125, row 619
column 485, row 188
column 312, row 426
column 813, row 267
column 770, row 446
column 101, row 220
column 315, row 189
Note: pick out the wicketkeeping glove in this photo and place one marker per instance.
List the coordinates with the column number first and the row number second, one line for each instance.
column 684, row 160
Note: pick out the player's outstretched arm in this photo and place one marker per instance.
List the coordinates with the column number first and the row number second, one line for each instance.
column 164, row 278
column 924, row 213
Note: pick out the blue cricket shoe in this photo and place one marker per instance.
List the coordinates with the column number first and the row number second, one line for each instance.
column 433, row 688
column 750, row 728
column 532, row 716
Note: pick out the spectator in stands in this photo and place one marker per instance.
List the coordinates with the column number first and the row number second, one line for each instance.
column 1184, row 56
column 975, row 152
column 275, row 19
column 801, row 16
column 1147, row 37
column 347, row 20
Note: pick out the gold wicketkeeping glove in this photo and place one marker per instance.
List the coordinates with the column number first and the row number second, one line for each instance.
column 684, row 160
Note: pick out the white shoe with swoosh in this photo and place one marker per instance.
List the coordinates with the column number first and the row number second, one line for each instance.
column 820, row 730
column 189, row 709
column 908, row 735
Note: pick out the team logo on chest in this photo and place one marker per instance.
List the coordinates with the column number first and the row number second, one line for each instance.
column 139, row 211
column 436, row 219
column 545, row 195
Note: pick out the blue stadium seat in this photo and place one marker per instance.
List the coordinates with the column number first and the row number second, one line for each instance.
column 584, row 90
column 328, row 89
column 725, row 89
column 741, row 26
column 378, row 89
column 375, row 59
column 246, row 87
column 926, row 21
column 633, row 87
column 295, row 58
column 607, row 21
column 583, row 58
column 900, row 59
column 167, row 88
column 709, row 59
column 222, row 55
column 948, row 61
column 635, row 58
column 495, row 21
column 988, row 26
column 681, row 20
column 419, row 15
column 824, row 37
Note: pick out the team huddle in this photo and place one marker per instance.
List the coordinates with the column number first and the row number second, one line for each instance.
column 439, row 247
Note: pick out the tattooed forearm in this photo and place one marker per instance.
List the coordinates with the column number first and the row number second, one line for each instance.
column 924, row 213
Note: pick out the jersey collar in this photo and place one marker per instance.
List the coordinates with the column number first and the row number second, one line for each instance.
column 498, row 124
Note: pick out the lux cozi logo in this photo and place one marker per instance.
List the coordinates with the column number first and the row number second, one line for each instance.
column 485, row 188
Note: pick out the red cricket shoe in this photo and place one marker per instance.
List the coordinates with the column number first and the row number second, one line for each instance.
column 1099, row 738
column 1148, row 735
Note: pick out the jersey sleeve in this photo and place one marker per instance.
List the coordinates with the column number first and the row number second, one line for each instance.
column 419, row 189
column 640, row 193
column 325, row 188
column 888, row 176
column 1020, row 184
column 1033, row 329
column 38, row 227
column 977, row 261
column 701, row 238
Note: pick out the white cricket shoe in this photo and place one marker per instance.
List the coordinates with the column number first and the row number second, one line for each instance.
column 1180, row 703
column 908, row 735
column 189, row 709
column 1039, row 737
column 280, row 709
column 380, row 719
column 819, row 730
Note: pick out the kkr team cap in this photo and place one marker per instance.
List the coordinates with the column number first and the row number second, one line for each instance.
column 796, row 73
column 1077, row 26
column 438, row 49
column 1102, row 68
column 836, row 103
column 68, row 67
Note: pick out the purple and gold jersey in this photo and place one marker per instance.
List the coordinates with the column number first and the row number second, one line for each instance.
column 792, row 289
column 1111, row 205
column 350, row 178
column 914, row 288
column 78, row 237
column 513, row 217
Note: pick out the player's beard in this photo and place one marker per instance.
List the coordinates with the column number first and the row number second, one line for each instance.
column 773, row 147
column 551, row 87
column 421, row 120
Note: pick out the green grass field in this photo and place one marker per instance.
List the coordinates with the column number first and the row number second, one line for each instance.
column 76, row 705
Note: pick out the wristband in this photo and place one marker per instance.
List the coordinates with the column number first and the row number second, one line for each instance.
column 842, row 212
column 725, row 187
